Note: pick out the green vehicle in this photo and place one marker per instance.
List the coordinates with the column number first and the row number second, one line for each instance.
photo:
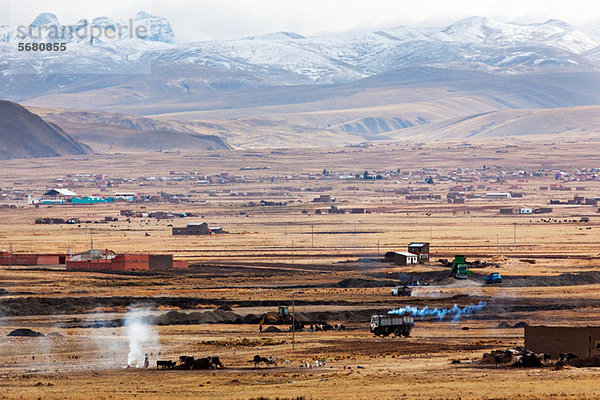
column 460, row 269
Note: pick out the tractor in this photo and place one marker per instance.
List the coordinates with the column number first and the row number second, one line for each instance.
column 283, row 316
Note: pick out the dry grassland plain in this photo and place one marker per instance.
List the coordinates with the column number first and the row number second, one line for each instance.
column 331, row 264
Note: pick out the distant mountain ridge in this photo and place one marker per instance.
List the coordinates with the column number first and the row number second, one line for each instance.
column 26, row 135
column 286, row 90
column 287, row 58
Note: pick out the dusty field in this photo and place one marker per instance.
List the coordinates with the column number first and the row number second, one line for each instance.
column 330, row 263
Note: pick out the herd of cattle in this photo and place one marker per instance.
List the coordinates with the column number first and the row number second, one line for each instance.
column 191, row 363
column 187, row 362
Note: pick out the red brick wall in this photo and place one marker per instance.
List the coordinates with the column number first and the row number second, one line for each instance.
column 131, row 262
column 28, row 259
column 94, row 265
column 180, row 264
column 47, row 259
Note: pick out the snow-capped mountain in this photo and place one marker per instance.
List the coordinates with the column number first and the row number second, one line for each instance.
column 287, row 58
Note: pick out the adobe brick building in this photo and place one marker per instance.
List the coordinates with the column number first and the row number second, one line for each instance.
column 582, row 341
column 7, row 258
column 107, row 261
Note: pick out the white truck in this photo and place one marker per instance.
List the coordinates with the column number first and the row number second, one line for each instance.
column 401, row 291
column 385, row 325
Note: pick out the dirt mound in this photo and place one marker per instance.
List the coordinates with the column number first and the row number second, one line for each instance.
column 224, row 307
column 206, row 317
column 3, row 292
column 73, row 305
column 363, row 283
column 566, row 279
column 25, row 332
column 520, row 324
column 228, row 317
column 503, row 325
column 272, row 329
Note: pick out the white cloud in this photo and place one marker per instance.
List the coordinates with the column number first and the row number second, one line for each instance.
column 230, row 19
column 4, row 12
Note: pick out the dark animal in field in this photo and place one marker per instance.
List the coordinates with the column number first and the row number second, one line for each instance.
column 187, row 362
column 165, row 364
column 208, row 363
column 186, row 359
column 270, row 360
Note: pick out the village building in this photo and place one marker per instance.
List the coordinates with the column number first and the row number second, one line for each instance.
column 401, row 258
column 26, row 259
column 198, row 228
column 324, row 198
column 553, row 340
column 421, row 250
column 107, row 261
column 125, row 196
column 498, row 196
column 59, row 194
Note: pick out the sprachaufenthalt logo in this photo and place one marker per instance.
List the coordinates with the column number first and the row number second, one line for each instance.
column 102, row 46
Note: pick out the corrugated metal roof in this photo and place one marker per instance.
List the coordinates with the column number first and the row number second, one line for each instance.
column 405, row 253
column 64, row 192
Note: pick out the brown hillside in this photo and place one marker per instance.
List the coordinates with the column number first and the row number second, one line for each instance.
column 26, row 135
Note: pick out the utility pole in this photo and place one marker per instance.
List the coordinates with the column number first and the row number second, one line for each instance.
column 293, row 323
column 312, row 235
column 91, row 239
column 497, row 244
column 377, row 247
column 514, row 233
column 292, row 251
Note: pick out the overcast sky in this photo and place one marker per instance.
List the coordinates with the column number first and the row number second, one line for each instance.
column 194, row 20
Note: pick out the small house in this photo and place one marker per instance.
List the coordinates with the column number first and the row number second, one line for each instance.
column 498, row 196
column 197, row 228
column 401, row 258
column 421, row 250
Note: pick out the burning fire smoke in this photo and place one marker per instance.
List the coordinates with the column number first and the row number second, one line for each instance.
column 455, row 311
column 142, row 337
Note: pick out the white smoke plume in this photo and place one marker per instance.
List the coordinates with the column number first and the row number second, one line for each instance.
column 455, row 311
column 142, row 337
column 108, row 347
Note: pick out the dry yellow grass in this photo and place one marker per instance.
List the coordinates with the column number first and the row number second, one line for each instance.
column 269, row 254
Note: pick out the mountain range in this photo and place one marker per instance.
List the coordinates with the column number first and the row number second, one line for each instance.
column 284, row 89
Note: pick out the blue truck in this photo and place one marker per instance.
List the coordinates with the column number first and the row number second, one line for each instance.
column 494, row 277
